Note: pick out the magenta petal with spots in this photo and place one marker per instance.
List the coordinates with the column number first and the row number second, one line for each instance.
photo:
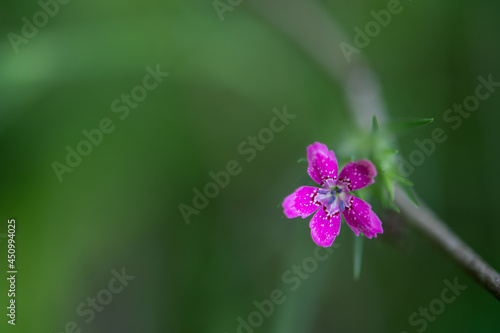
column 359, row 174
column 301, row 202
column 325, row 227
column 322, row 163
column 359, row 216
column 376, row 223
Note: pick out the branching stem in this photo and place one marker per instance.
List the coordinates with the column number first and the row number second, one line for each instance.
column 425, row 221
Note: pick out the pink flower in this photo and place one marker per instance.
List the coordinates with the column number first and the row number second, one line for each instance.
column 333, row 198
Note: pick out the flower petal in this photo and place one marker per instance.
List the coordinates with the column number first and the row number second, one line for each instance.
column 359, row 216
column 359, row 174
column 325, row 227
column 376, row 223
column 301, row 202
column 322, row 163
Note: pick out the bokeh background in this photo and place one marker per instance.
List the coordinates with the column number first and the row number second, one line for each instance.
column 119, row 207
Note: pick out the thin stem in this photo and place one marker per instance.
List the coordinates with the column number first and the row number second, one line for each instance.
column 426, row 221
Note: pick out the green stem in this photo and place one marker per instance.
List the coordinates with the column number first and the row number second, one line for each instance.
column 358, row 256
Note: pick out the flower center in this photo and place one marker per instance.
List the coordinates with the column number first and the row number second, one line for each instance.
column 333, row 199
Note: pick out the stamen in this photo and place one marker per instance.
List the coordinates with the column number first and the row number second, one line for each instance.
column 342, row 205
column 339, row 190
column 331, row 200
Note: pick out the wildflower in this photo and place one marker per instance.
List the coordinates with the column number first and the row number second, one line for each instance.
column 333, row 198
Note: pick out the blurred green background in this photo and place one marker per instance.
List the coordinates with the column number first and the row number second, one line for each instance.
column 119, row 208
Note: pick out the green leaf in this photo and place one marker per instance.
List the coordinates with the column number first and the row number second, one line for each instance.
column 409, row 193
column 389, row 185
column 408, row 124
column 303, row 159
column 358, row 256
column 394, row 207
column 400, row 178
